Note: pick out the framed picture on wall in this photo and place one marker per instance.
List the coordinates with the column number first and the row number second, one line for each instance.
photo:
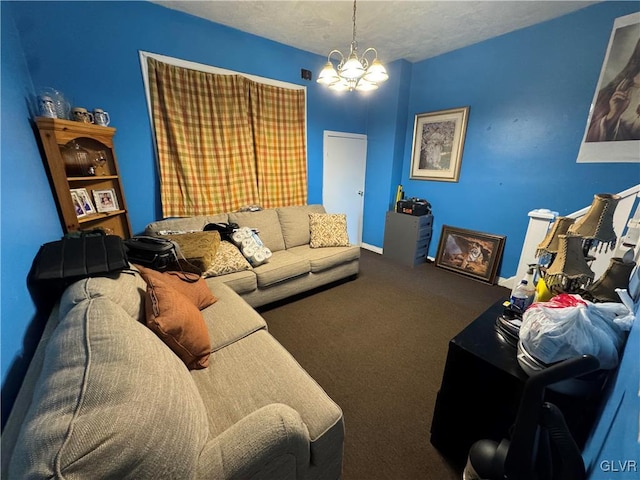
column 470, row 253
column 612, row 133
column 438, row 139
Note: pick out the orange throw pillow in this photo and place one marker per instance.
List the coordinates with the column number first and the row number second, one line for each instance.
column 178, row 322
column 197, row 291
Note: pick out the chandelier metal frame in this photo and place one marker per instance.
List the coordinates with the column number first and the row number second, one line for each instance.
column 351, row 72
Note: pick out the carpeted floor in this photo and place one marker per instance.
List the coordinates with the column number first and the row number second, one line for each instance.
column 378, row 346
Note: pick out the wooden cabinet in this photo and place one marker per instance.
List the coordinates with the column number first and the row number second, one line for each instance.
column 84, row 176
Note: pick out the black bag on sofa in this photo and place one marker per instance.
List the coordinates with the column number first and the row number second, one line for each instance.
column 77, row 255
column 153, row 252
column 225, row 229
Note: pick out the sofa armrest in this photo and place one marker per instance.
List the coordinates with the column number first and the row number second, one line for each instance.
column 272, row 437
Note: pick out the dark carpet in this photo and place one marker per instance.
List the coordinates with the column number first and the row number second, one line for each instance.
column 378, row 346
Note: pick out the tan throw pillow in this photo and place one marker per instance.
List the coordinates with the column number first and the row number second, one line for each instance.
column 228, row 260
column 178, row 323
column 190, row 285
column 328, row 230
column 198, row 248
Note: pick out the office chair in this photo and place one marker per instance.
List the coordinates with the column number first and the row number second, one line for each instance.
column 541, row 446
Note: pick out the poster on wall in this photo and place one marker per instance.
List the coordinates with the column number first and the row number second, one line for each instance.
column 612, row 133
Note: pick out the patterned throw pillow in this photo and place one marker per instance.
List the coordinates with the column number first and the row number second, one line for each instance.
column 328, row 230
column 228, row 259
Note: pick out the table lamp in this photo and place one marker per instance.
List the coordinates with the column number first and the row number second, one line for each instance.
column 596, row 226
column 548, row 248
column 569, row 272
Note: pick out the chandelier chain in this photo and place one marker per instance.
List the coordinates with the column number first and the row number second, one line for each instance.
column 353, row 40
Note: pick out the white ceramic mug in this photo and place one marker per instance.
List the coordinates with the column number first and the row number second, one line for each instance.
column 101, row 117
column 80, row 114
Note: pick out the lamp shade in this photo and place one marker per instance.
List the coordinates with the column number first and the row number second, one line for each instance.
column 596, row 226
column 376, row 72
column 365, row 86
column 569, row 272
column 340, row 86
column 352, row 68
column 328, row 75
column 616, row 276
column 551, row 242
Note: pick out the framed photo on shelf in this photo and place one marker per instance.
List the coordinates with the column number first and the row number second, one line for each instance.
column 438, row 140
column 470, row 253
column 106, row 200
column 77, row 205
column 85, row 201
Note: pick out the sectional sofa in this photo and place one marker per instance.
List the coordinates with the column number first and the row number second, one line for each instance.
column 108, row 395
column 299, row 262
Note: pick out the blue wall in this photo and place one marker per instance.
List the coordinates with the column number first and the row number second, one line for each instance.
column 529, row 94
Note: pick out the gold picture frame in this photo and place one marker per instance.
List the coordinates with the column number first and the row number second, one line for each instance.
column 438, row 140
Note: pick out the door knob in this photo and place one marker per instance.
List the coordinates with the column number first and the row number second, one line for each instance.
column 360, row 192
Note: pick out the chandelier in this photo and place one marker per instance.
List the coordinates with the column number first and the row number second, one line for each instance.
column 353, row 73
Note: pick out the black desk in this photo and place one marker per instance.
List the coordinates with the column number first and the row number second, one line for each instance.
column 481, row 388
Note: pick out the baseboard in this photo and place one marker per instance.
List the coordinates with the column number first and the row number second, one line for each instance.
column 372, row 248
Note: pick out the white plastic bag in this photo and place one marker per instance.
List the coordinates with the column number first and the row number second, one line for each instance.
column 568, row 326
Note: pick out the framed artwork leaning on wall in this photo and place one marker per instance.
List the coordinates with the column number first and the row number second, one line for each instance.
column 438, row 140
column 470, row 253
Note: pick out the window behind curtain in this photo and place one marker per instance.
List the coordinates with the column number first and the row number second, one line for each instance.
column 225, row 141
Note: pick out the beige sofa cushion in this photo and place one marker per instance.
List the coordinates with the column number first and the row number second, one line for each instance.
column 294, row 222
column 230, row 318
column 321, row 259
column 282, row 266
column 267, row 223
column 109, row 393
column 257, row 371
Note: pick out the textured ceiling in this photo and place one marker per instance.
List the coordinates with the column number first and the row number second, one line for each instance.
column 410, row 29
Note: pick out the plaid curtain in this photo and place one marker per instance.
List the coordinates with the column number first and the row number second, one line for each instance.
column 217, row 151
column 278, row 119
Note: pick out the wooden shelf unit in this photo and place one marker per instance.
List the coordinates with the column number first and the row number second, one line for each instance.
column 61, row 139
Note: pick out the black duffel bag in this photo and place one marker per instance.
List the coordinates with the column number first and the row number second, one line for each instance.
column 152, row 252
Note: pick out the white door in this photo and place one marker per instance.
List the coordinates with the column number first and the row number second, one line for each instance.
column 345, row 161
